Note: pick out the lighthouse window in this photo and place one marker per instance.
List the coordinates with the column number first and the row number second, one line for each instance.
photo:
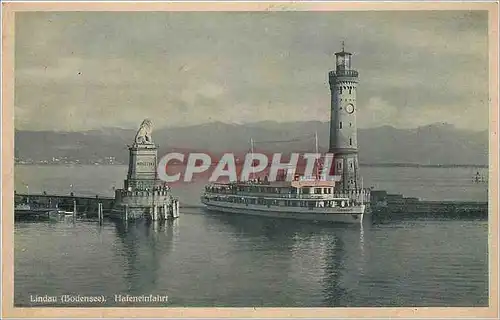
column 350, row 141
column 340, row 90
column 340, row 125
column 350, row 90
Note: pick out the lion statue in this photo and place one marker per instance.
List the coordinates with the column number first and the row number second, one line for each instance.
column 143, row 135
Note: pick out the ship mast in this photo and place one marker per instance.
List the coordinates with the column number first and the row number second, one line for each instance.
column 316, row 140
column 251, row 152
column 317, row 151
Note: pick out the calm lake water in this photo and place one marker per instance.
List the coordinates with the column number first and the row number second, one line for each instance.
column 208, row 259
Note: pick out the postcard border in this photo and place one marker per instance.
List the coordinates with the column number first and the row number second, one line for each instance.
column 8, row 309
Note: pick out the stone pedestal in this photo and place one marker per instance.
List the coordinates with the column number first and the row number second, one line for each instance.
column 142, row 167
column 143, row 194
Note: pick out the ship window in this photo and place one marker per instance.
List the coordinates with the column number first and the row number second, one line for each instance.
column 317, row 190
column 340, row 125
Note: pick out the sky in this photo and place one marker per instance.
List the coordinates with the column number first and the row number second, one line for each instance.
column 78, row 71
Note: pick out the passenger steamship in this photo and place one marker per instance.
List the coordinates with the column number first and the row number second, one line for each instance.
column 338, row 199
column 304, row 198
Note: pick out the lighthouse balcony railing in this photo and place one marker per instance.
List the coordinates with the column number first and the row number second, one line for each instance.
column 344, row 73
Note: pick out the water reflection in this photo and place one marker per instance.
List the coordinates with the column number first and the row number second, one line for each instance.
column 144, row 245
column 362, row 248
column 272, row 228
column 242, row 261
column 334, row 293
column 310, row 254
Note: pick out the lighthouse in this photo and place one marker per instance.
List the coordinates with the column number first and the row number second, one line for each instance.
column 343, row 131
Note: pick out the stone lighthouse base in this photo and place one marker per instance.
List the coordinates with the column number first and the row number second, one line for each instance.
column 143, row 195
column 152, row 205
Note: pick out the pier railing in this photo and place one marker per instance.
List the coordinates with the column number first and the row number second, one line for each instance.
column 64, row 202
column 347, row 194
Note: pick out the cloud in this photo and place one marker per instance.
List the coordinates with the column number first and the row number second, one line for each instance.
column 377, row 112
column 90, row 70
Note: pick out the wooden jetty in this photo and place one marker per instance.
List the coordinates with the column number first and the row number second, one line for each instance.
column 29, row 205
column 47, row 205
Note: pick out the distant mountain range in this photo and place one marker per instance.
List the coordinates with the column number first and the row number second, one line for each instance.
column 437, row 144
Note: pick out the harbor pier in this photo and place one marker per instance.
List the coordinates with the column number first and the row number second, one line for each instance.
column 382, row 204
column 32, row 205
column 386, row 204
column 144, row 195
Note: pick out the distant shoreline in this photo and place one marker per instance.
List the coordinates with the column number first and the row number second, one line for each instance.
column 416, row 165
column 382, row 165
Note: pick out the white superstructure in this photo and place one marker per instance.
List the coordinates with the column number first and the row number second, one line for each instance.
column 304, row 199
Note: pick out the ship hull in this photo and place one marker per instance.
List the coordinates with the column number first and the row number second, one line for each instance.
column 340, row 215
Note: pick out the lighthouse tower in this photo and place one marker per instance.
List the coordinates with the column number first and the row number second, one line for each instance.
column 343, row 131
